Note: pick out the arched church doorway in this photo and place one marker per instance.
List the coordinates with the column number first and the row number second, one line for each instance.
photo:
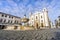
column 37, row 26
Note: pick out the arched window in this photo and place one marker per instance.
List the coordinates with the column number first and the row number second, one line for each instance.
column 8, row 21
column 36, row 17
column 41, row 16
column 2, row 15
column 1, row 20
column 5, row 21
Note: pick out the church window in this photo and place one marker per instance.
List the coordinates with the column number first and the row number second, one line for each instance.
column 36, row 17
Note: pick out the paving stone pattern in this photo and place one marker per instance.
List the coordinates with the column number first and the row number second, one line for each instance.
column 46, row 34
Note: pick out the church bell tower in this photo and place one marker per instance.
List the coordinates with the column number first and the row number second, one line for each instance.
column 46, row 19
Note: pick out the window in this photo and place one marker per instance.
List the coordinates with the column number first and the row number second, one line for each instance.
column 15, row 21
column 41, row 16
column 5, row 15
column 8, row 21
column 3, row 27
column 2, row 15
column 36, row 17
column 9, row 16
column 11, row 21
column 4, row 20
column 12, row 17
column 1, row 20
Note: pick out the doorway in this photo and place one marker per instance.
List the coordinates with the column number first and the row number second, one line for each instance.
column 37, row 26
column 2, row 27
column 41, row 24
column 15, row 27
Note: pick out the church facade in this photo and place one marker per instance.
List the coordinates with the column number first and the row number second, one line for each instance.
column 39, row 19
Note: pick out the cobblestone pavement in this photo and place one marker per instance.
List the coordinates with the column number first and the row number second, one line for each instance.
column 47, row 34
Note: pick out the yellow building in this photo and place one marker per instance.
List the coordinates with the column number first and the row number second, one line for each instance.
column 39, row 19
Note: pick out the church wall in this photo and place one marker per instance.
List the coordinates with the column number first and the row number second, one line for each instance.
column 42, row 17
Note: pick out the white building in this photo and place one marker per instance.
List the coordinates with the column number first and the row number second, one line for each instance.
column 39, row 19
column 9, row 22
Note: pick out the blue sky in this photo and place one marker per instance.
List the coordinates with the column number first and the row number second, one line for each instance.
column 21, row 7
